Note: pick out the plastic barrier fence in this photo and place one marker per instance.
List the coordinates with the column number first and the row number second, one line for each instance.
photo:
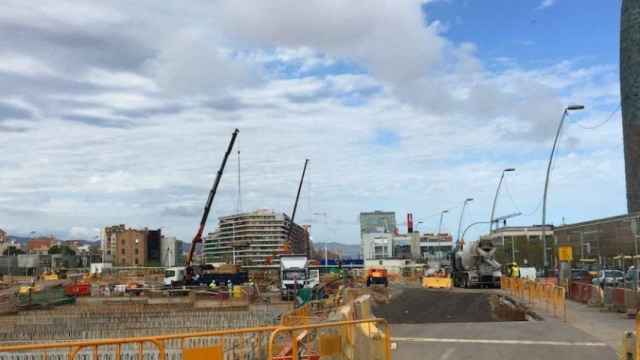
column 437, row 282
column 537, row 293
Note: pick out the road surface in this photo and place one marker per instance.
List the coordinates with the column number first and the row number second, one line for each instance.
column 447, row 325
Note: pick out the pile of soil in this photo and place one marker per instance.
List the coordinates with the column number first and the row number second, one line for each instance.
column 419, row 306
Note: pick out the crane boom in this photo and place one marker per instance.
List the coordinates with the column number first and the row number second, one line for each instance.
column 295, row 205
column 198, row 237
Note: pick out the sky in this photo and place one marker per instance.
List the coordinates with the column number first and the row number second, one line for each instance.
column 119, row 112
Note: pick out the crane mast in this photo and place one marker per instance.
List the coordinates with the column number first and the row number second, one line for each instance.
column 207, row 208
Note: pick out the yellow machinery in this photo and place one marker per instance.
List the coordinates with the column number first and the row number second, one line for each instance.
column 377, row 276
column 438, row 280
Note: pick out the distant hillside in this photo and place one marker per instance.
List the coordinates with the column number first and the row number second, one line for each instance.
column 344, row 250
column 22, row 240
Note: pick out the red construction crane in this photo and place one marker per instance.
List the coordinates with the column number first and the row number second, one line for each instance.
column 198, row 237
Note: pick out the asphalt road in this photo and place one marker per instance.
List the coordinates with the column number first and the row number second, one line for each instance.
column 484, row 338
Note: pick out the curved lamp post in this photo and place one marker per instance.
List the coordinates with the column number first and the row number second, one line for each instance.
column 546, row 182
column 441, row 216
column 495, row 198
column 464, row 205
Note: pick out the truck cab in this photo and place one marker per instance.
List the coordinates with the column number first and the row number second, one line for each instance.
column 174, row 276
column 294, row 275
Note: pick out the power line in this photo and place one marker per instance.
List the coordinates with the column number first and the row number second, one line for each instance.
column 508, row 191
column 602, row 123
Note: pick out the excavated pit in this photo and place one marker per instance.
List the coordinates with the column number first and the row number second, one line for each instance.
column 419, row 306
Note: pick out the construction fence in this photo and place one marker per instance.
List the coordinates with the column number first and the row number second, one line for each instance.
column 616, row 299
column 318, row 330
column 536, row 293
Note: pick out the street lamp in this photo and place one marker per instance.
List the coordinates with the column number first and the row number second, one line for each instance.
column 441, row 216
column 546, row 180
column 464, row 205
column 495, row 198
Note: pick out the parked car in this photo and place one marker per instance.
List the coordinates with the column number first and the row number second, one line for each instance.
column 630, row 277
column 580, row 275
column 608, row 278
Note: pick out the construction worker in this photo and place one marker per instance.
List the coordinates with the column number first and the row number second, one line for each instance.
column 513, row 270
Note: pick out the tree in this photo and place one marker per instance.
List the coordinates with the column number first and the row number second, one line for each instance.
column 12, row 251
column 61, row 249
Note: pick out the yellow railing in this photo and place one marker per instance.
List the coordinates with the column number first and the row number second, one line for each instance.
column 351, row 339
column 199, row 347
column 537, row 293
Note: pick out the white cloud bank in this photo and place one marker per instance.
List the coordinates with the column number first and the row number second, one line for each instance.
column 119, row 113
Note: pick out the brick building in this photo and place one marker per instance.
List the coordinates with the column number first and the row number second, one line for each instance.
column 132, row 247
column 608, row 242
column 41, row 245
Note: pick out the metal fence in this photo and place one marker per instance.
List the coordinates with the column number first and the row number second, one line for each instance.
column 349, row 340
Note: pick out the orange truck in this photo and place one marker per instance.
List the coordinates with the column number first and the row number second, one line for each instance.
column 377, row 276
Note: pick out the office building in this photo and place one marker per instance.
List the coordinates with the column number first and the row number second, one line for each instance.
column 254, row 238
column 436, row 248
column 378, row 222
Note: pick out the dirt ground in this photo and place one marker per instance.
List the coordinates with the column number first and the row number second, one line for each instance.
column 418, row 306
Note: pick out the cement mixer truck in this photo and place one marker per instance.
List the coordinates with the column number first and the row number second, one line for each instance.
column 475, row 266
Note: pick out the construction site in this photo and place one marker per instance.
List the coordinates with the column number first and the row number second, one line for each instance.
column 257, row 293
column 119, row 121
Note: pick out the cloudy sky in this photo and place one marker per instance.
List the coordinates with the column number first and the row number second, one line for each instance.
column 119, row 111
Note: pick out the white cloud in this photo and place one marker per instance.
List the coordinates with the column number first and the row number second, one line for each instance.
column 546, row 3
column 24, row 65
column 131, row 116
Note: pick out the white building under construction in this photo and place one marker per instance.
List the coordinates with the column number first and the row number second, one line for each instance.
column 254, row 238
